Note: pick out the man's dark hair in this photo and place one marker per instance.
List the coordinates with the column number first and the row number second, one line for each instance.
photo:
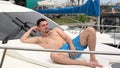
column 39, row 21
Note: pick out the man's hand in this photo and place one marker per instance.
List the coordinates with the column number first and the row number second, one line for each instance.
column 34, row 28
column 73, row 54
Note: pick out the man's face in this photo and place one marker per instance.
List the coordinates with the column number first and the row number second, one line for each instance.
column 44, row 27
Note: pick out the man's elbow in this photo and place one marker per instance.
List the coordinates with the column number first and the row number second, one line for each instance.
column 22, row 40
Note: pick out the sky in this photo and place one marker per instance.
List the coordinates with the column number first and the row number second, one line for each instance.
column 101, row 1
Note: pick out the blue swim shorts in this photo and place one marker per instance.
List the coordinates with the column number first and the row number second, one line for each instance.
column 77, row 45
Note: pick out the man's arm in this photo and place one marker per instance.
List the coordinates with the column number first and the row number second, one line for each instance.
column 26, row 39
column 66, row 37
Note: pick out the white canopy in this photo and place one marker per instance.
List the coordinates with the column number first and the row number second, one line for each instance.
column 46, row 3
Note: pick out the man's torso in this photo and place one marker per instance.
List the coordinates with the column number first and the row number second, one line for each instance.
column 52, row 41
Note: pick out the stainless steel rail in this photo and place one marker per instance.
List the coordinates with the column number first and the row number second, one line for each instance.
column 55, row 50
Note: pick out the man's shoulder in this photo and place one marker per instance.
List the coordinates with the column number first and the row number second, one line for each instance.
column 56, row 28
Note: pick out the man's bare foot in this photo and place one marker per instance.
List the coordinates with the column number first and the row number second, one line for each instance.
column 95, row 63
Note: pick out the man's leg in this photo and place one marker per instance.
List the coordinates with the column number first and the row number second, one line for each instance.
column 63, row 58
column 88, row 37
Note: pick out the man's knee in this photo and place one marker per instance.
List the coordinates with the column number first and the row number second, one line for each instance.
column 91, row 29
column 53, row 56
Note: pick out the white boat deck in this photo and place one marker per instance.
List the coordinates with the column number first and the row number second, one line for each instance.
column 11, row 62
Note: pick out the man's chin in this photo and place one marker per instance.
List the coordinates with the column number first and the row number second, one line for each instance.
column 46, row 31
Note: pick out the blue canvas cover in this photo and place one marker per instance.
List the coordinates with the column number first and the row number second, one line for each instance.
column 91, row 7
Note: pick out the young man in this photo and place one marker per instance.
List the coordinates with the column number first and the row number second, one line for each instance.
column 58, row 39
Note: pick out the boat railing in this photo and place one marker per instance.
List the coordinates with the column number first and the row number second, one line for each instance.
column 54, row 50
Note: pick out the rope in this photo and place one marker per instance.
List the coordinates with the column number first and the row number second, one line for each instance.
column 54, row 50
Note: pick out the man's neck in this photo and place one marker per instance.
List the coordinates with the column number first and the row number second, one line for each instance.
column 45, row 34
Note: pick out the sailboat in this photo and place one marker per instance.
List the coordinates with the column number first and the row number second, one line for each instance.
column 15, row 20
